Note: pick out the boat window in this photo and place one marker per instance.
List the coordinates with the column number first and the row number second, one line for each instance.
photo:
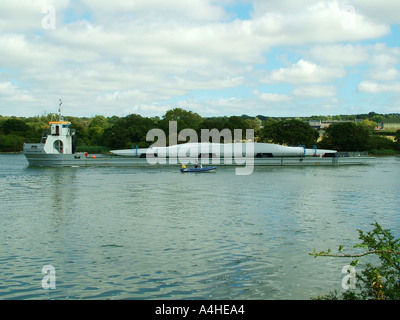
column 58, row 145
column 207, row 155
column 264, row 155
column 150, row 155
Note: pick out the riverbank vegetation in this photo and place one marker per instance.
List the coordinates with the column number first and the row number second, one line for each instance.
column 380, row 279
column 101, row 134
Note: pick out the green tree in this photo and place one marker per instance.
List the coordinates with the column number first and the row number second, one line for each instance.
column 128, row 131
column 368, row 124
column 15, row 126
column 185, row 120
column 99, row 122
column 96, row 128
column 254, row 124
column 378, row 118
column 218, row 123
column 379, row 281
column 36, row 129
column 289, row 132
column 138, row 127
column 117, row 136
column 397, row 138
column 381, row 145
column 13, row 133
column 237, row 123
column 346, row 136
column 11, row 143
column 81, row 125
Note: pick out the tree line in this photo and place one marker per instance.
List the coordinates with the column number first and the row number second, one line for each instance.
column 100, row 134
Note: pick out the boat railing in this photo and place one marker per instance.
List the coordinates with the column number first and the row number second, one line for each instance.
column 352, row 154
column 45, row 134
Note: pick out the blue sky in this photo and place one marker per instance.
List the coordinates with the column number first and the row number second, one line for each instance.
column 214, row 57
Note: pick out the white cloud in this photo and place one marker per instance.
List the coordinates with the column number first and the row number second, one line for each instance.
column 132, row 95
column 315, row 91
column 142, row 54
column 272, row 97
column 305, row 72
column 384, row 75
column 374, row 87
column 383, row 63
column 217, row 107
column 340, row 54
column 12, row 93
column 157, row 10
column 148, row 110
column 383, row 56
column 385, row 11
column 318, row 21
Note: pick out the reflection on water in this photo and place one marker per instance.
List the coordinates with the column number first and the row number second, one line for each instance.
column 150, row 233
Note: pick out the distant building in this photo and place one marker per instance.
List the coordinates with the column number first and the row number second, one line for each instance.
column 391, row 123
column 316, row 124
column 322, row 125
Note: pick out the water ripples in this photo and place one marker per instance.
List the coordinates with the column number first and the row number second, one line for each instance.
column 120, row 233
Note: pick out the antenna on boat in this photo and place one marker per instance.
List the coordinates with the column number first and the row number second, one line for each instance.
column 59, row 110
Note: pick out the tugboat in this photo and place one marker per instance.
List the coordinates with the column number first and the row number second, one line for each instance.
column 57, row 146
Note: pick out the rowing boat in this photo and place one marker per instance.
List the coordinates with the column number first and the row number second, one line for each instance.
column 202, row 169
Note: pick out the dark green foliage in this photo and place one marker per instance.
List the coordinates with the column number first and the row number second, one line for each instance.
column 11, row 143
column 379, row 281
column 218, row 123
column 346, row 136
column 127, row 132
column 14, row 126
column 13, row 133
column 381, row 145
column 290, row 132
column 185, row 119
column 397, row 138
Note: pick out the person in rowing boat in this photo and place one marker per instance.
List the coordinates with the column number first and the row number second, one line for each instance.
column 197, row 165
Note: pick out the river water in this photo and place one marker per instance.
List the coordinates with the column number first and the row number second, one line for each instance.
column 156, row 233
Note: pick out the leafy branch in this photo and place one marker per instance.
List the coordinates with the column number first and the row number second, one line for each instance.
column 329, row 254
column 379, row 281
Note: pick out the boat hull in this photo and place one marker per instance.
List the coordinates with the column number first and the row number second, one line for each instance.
column 204, row 169
column 80, row 160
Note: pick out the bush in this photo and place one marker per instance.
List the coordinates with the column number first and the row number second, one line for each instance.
column 289, row 132
column 346, row 136
column 11, row 143
column 378, row 282
column 379, row 143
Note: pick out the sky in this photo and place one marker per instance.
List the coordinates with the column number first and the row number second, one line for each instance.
column 215, row 57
